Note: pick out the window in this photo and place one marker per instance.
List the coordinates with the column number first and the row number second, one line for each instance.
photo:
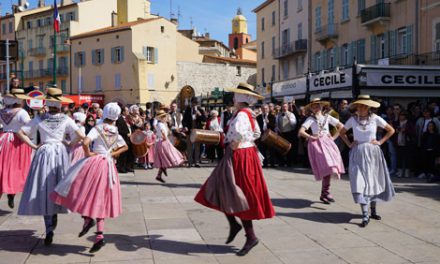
column 300, row 30
column 317, row 61
column 262, row 24
column 41, row 65
column 98, row 57
column 318, row 19
column 4, row 28
column 331, row 12
column 118, row 81
column 285, row 70
column 70, row 16
column 31, row 68
column 273, row 18
column 263, row 80
column 344, row 55
column 382, row 46
column 48, row 21
column 401, row 41
column 62, row 64
column 63, row 86
column 361, row 51
column 51, row 39
column 273, row 73
column 80, row 59
column 98, row 86
column 285, row 38
column 238, row 70
column 50, row 64
column 300, row 6
column 235, row 43
column 437, row 37
column 273, row 45
column 361, row 6
column 117, row 55
column 300, row 66
column 30, row 44
column 162, row 29
column 262, row 50
column 40, row 23
column 345, row 10
column 331, row 58
column 151, row 54
column 286, row 8
column 29, row 24
column 11, row 27
column 40, row 41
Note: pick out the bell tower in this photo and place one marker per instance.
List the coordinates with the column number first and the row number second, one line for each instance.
column 239, row 35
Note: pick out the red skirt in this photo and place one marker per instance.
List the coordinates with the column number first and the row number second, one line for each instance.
column 249, row 177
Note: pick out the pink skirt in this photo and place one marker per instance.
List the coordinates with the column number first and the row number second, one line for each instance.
column 166, row 155
column 15, row 160
column 325, row 158
column 90, row 193
column 77, row 153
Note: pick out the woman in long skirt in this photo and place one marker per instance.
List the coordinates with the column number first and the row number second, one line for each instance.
column 91, row 187
column 165, row 154
column 50, row 163
column 324, row 155
column 369, row 176
column 15, row 155
column 237, row 187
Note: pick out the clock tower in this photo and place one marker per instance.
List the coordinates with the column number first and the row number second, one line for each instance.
column 239, row 35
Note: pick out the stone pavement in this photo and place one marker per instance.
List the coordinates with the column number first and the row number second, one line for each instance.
column 162, row 224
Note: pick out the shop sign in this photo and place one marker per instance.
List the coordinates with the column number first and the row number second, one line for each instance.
column 331, row 80
column 403, row 78
column 290, row 87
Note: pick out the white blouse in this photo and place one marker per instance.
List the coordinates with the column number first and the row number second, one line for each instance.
column 240, row 130
column 52, row 128
column 12, row 119
column 365, row 130
column 320, row 126
column 214, row 125
column 161, row 128
column 105, row 138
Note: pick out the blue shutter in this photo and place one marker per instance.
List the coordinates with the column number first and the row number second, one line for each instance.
column 145, row 51
column 392, row 34
column 337, row 54
column 361, row 47
column 102, row 56
column 93, row 57
column 75, row 60
column 122, row 54
column 324, row 59
column 354, row 50
column 373, row 49
column 350, row 54
column 84, row 57
column 409, row 40
column 387, row 44
column 113, row 55
column 156, row 55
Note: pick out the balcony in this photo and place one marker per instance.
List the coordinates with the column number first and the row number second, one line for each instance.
column 37, row 52
column 377, row 14
column 431, row 58
column 46, row 73
column 62, row 48
column 326, row 33
column 296, row 47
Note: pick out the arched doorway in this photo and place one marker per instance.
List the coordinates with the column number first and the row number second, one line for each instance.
column 184, row 97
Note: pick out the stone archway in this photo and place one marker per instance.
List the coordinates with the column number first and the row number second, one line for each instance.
column 184, row 97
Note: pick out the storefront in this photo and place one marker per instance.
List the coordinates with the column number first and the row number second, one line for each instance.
column 87, row 98
column 289, row 89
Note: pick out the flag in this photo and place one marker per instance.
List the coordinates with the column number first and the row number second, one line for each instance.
column 56, row 17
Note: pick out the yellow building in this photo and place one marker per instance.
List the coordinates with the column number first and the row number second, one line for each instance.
column 132, row 61
column 35, row 34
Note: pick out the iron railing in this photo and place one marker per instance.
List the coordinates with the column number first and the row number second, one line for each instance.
column 327, row 32
column 381, row 10
column 298, row 46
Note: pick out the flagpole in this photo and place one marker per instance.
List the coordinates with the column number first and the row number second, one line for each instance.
column 54, row 57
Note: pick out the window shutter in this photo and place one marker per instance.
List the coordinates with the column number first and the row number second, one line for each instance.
column 324, row 59
column 337, row 55
column 156, row 55
column 75, row 60
column 113, row 55
column 387, row 44
column 361, row 52
column 102, row 56
column 350, row 54
column 392, row 34
column 354, row 50
column 145, row 51
column 122, row 54
column 437, row 31
column 373, row 49
column 84, row 57
column 94, row 57
column 409, row 39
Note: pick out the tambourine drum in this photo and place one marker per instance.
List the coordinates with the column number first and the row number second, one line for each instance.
column 272, row 140
column 205, row 136
column 180, row 143
column 139, row 144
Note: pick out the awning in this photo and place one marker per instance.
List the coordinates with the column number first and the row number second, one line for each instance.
column 87, row 98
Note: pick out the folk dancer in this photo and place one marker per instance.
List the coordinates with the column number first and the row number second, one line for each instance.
column 77, row 151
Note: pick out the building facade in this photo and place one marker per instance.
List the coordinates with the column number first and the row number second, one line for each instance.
column 429, row 27
column 7, row 32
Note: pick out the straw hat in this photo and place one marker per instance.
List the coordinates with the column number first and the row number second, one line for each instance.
column 245, row 88
column 160, row 114
column 55, row 95
column 317, row 101
column 17, row 94
column 365, row 100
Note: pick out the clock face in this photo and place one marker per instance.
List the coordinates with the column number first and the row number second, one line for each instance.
column 235, row 23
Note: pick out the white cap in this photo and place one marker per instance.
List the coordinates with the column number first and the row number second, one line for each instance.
column 111, row 111
column 245, row 98
column 80, row 117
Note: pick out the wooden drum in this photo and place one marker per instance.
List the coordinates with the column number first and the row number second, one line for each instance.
column 273, row 140
column 139, row 144
column 205, row 136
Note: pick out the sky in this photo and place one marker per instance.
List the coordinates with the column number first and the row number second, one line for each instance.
column 213, row 16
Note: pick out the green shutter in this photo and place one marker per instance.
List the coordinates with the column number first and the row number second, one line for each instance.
column 122, row 54
column 102, row 54
column 361, row 52
column 387, row 44
column 392, row 34
column 324, row 59
column 337, row 60
column 373, row 41
column 156, row 55
column 409, row 39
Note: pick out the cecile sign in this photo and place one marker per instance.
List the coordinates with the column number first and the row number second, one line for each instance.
column 332, row 80
column 406, row 79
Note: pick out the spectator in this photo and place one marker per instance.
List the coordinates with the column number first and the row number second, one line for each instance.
column 404, row 140
column 266, row 121
column 430, row 147
column 193, row 118
column 90, row 123
column 213, row 124
column 126, row 160
column 286, row 124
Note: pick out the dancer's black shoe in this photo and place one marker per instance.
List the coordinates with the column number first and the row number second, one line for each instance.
column 233, row 232
column 11, row 201
column 365, row 222
column 97, row 246
column 375, row 216
column 247, row 247
column 49, row 239
column 87, row 228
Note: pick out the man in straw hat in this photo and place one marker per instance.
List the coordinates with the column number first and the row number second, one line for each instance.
column 50, row 162
column 368, row 170
column 237, row 187
column 324, row 155
column 12, row 148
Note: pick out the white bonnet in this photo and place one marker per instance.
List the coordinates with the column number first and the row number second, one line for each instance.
column 11, row 100
column 245, row 98
column 111, row 111
column 134, row 108
column 80, row 117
